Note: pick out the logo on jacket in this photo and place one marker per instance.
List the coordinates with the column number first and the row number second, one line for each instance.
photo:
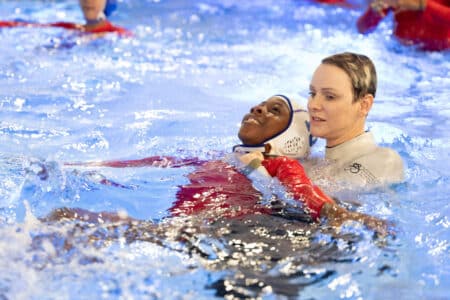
column 357, row 168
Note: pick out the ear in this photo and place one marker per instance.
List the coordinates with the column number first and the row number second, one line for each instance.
column 366, row 104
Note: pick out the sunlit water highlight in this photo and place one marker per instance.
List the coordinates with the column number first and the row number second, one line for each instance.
column 179, row 87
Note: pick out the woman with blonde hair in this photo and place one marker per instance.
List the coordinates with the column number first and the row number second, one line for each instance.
column 342, row 92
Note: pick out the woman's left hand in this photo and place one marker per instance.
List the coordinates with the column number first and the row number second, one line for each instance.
column 249, row 157
column 337, row 215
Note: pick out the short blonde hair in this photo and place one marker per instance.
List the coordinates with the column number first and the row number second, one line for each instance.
column 359, row 68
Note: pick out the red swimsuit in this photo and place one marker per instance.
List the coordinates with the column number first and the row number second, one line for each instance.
column 429, row 29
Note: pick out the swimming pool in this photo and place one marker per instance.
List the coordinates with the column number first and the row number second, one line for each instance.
column 179, row 87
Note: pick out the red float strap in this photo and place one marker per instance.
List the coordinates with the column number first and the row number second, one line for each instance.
column 107, row 27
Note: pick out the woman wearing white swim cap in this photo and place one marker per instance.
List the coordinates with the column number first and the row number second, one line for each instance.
column 277, row 126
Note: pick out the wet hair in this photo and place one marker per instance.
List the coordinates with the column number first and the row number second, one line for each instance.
column 359, row 68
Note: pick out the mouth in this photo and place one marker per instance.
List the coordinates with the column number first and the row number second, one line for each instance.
column 251, row 120
column 317, row 119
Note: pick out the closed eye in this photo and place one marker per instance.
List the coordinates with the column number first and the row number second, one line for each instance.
column 276, row 109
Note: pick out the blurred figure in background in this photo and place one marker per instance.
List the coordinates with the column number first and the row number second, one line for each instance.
column 425, row 23
column 95, row 13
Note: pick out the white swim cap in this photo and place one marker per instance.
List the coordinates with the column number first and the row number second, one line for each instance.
column 294, row 141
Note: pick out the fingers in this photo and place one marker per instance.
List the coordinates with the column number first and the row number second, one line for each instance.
column 380, row 227
column 248, row 157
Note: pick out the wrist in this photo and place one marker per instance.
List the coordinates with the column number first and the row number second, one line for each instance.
column 250, row 167
column 331, row 211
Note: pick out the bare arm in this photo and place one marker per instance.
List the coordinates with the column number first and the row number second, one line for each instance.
column 337, row 215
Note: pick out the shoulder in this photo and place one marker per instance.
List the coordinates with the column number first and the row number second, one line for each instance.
column 379, row 166
column 385, row 164
column 387, row 156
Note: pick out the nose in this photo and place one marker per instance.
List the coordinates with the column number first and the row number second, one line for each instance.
column 258, row 109
column 314, row 103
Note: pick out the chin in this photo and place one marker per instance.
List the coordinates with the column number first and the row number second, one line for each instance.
column 247, row 139
column 317, row 134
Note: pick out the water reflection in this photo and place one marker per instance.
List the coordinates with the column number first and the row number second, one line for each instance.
column 260, row 254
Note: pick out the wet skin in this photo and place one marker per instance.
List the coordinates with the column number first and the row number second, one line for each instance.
column 333, row 114
column 264, row 121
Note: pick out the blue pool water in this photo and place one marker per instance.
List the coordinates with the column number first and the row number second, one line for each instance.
column 179, row 87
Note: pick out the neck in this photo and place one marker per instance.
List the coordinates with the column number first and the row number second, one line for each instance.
column 342, row 139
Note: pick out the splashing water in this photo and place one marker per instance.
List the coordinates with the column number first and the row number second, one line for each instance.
column 179, row 87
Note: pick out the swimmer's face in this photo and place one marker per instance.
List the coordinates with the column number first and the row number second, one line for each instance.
column 334, row 114
column 264, row 121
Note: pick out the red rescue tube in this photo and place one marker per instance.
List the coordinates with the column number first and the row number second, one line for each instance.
column 292, row 175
